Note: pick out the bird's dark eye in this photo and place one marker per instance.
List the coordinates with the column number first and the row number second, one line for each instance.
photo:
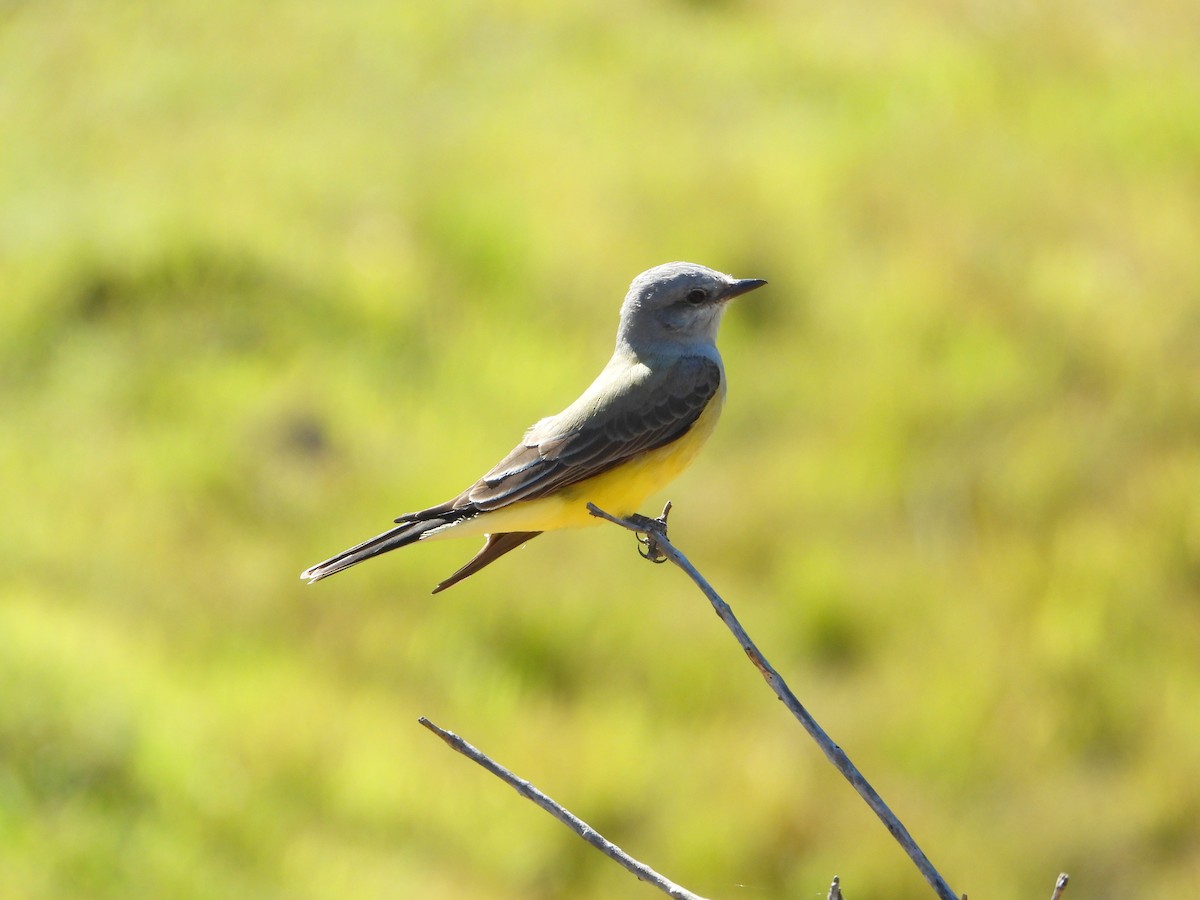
column 696, row 297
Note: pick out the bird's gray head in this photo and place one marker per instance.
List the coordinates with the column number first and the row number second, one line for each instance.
column 678, row 303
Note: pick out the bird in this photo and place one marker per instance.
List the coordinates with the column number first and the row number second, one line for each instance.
column 634, row 429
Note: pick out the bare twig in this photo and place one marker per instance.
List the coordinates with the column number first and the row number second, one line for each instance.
column 585, row 831
column 835, row 889
column 656, row 543
column 1060, row 886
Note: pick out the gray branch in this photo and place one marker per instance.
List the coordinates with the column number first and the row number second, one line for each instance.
column 580, row 827
column 658, row 547
column 652, row 535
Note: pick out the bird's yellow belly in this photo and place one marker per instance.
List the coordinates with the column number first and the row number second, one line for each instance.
column 619, row 491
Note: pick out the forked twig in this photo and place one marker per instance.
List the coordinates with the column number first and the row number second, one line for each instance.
column 580, row 827
column 657, row 544
column 652, row 535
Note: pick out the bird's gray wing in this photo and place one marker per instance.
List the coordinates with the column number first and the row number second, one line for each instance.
column 647, row 414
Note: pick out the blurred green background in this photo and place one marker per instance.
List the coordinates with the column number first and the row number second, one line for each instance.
column 274, row 273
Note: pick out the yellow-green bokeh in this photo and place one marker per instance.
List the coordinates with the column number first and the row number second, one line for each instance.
column 271, row 274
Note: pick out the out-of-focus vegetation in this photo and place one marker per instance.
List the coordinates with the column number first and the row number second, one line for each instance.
column 273, row 273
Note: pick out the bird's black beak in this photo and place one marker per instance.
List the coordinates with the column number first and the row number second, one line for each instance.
column 742, row 286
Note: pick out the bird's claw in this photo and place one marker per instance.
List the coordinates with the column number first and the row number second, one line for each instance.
column 648, row 538
column 651, row 552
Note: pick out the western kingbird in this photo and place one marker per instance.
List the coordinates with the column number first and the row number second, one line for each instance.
column 638, row 425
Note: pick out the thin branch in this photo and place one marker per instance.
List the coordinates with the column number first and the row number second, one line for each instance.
column 835, row 889
column 657, row 544
column 580, row 827
column 1060, row 886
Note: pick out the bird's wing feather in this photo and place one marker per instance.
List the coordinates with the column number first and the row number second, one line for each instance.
column 648, row 413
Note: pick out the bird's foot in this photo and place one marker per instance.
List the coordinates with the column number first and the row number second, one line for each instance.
column 649, row 531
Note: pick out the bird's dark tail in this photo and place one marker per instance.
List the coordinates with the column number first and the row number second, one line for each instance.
column 400, row 536
column 409, row 532
column 494, row 548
